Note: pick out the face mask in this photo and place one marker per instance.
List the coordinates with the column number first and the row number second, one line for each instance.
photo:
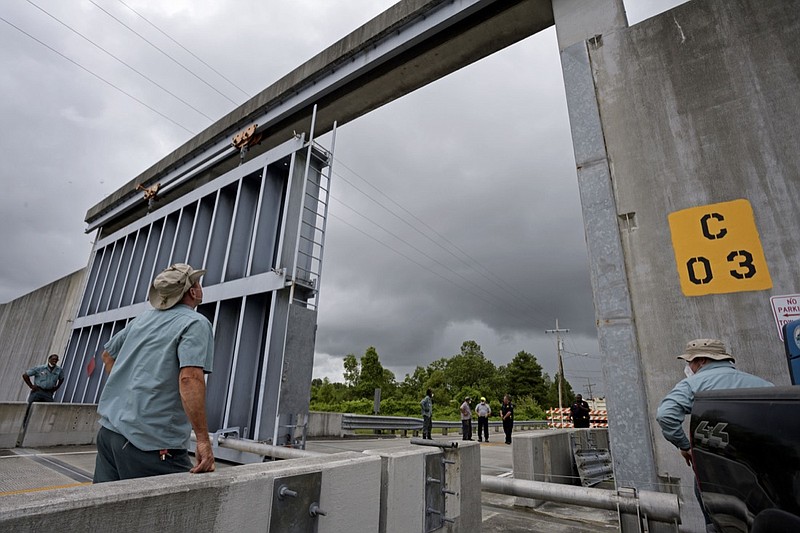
column 688, row 371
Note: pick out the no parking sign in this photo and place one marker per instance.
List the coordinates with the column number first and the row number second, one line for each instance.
column 786, row 309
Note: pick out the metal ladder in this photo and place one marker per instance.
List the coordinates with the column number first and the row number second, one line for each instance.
column 312, row 223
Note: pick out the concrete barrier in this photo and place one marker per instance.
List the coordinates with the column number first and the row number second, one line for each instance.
column 325, row 425
column 417, row 479
column 243, row 499
column 548, row 455
column 61, row 424
column 12, row 415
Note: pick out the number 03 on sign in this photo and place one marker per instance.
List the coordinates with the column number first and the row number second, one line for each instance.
column 717, row 249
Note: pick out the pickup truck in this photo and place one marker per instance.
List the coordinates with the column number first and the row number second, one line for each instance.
column 746, row 457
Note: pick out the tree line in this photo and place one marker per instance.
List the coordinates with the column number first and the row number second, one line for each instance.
column 468, row 373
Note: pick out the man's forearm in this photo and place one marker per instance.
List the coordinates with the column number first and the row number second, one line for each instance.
column 193, row 395
column 108, row 362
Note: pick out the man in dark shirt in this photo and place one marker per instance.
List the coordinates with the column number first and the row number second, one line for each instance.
column 579, row 413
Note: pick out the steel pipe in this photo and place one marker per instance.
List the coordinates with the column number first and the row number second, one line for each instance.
column 259, row 448
column 657, row 506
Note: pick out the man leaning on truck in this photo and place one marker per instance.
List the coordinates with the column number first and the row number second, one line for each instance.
column 708, row 367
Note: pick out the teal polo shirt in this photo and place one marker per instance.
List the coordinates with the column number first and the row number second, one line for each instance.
column 44, row 378
column 141, row 399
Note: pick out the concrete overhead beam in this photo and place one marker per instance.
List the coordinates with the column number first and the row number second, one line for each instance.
column 411, row 44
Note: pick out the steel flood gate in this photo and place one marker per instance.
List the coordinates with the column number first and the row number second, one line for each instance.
column 259, row 230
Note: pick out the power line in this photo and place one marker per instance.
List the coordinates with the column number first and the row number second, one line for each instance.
column 142, row 37
column 118, row 59
column 186, row 49
column 96, row 75
column 448, row 269
column 486, row 275
column 467, row 289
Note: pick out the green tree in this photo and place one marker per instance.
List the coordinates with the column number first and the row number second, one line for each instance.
column 524, row 377
column 373, row 376
column 351, row 370
column 469, row 369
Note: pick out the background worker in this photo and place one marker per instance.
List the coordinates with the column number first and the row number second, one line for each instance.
column 427, row 414
column 484, row 412
column 46, row 380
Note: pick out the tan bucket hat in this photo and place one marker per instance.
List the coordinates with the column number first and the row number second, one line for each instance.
column 171, row 284
column 710, row 348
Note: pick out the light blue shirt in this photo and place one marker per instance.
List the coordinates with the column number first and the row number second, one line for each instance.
column 141, row 399
column 678, row 403
column 427, row 406
column 44, row 378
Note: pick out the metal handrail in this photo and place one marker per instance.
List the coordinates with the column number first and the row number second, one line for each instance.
column 402, row 423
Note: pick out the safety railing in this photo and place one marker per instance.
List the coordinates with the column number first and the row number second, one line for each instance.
column 393, row 424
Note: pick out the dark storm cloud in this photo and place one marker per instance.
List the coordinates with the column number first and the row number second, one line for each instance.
column 483, row 157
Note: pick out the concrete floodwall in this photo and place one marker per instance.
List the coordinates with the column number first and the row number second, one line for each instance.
column 549, row 456
column 12, row 415
column 242, row 499
column 61, row 424
column 325, row 425
column 32, row 327
column 397, row 490
column 417, row 479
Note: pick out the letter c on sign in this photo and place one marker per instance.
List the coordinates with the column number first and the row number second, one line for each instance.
column 707, row 232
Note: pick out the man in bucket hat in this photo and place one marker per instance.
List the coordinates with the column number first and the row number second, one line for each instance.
column 708, row 367
column 155, row 393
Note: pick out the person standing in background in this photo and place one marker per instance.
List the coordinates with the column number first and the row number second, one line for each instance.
column 484, row 412
column 579, row 413
column 507, row 414
column 466, row 420
column 427, row 414
column 46, row 380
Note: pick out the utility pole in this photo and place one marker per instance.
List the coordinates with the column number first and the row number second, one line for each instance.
column 589, row 386
column 559, row 347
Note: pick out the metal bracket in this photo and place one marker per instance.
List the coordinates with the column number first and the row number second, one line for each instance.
column 435, row 491
column 295, row 503
column 150, row 193
column 245, row 139
column 630, row 522
column 224, row 432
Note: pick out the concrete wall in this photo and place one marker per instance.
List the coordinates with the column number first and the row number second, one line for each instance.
column 697, row 106
column 375, row 491
column 231, row 499
column 12, row 415
column 403, row 498
column 32, row 327
column 49, row 424
column 61, row 424
column 323, row 425
column 548, row 455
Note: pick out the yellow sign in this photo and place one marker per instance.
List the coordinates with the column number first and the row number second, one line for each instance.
column 717, row 249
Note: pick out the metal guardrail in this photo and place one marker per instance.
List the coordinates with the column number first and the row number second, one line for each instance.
column 352, row 422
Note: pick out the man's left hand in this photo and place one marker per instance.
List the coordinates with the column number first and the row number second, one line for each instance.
column 687, row 456
column 205, row 458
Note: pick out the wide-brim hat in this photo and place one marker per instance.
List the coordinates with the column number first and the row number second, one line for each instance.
column 709, row 348
column 171, row 284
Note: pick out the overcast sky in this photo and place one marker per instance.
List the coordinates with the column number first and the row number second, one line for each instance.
column 455, row 212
